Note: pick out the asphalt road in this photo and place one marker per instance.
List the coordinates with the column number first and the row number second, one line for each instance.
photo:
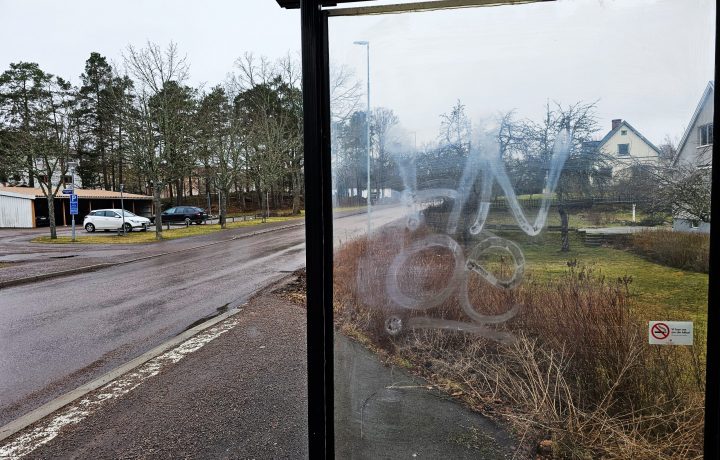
column 58, row 334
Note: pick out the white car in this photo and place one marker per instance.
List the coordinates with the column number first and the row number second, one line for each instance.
column 112, row 219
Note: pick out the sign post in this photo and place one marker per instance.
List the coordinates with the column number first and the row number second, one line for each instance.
column 73, row 212
column 73, row 203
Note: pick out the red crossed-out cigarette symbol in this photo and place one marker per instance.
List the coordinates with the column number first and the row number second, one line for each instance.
column 660, row 331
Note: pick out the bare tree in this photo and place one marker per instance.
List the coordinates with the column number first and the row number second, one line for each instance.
column 53, row 152
column 382, row 120
column 269, row 103
column 157, row 132
column 527, row 148
column 38, row 112
column 221, row 138
column 683, row 190
column 344, row 93
column 154, row 68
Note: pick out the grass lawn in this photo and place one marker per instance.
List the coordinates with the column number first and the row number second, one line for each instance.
column 658, row 292
column 350, row 208
column 149, row 236
column 553, row 219
column 576, row 219
column 282, row 212
column 251, row 223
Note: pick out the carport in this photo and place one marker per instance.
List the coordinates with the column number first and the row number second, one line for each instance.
column 16, row 210
column 88, row 200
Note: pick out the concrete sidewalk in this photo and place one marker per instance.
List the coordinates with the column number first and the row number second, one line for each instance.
column 243, row 395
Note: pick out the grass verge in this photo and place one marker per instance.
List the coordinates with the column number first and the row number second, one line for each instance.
column 656, row 289
column 149, row 236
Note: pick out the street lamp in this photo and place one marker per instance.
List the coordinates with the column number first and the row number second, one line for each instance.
column 367, row 127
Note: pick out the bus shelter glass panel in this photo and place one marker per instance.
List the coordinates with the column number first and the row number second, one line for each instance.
column 522, row 230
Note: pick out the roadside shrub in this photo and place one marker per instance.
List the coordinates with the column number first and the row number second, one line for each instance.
column 653, row 220
column 598, row 218
column 580, row 374
column 684, row 250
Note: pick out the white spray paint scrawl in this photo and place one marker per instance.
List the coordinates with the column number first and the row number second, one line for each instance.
column 484, row 161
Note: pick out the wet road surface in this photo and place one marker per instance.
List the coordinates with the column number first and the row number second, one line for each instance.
column 58, row 334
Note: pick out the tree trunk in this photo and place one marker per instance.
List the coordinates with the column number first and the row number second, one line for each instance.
column 296, row 194
column 158, row 210
column 180, row 192
column 31, row 171
column 119, row 150
column 261, row 198
column 106, row 186
column 223, row 207
column 564, row 229
column 51, row 215
column 113, row 185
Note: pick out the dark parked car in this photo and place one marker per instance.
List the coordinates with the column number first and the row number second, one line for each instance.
column 184, row 214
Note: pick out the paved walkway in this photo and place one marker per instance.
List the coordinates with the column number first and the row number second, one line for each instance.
column 243, row 395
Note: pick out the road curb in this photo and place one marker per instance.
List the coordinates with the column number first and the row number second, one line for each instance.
column 45, row 276
column 61, row 401
column 92, row 268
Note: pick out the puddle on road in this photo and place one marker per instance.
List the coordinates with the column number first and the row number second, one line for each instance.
column 64, row 257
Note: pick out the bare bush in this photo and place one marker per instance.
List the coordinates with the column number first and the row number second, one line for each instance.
column 684, row 250
column 580, row 372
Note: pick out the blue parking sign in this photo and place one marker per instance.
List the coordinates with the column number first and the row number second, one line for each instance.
column 73, row 204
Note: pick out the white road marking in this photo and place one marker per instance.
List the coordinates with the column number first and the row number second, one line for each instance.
column 48, row 429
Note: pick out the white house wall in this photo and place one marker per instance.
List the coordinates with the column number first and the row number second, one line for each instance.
column 640, row 151
column 16, row 212
column 692, row 153
column 686, row 225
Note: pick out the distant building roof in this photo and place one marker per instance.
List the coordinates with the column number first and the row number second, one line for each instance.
column 80, row 192
column 4, row 192
column 637, row 133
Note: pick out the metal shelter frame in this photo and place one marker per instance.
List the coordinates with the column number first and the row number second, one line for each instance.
column 319, row 227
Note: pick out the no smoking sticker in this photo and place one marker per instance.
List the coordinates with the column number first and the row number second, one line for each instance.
column 670, row 332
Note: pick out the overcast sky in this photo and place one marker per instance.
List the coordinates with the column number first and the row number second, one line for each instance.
column 646, row 61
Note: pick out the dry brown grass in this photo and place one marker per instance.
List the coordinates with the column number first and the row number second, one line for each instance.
column 684, row 250
column 580, row 372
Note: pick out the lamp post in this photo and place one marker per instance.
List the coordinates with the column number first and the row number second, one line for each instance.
column 122, row 207
column 367, row 127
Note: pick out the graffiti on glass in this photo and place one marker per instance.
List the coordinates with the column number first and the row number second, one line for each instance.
column 483, row 164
